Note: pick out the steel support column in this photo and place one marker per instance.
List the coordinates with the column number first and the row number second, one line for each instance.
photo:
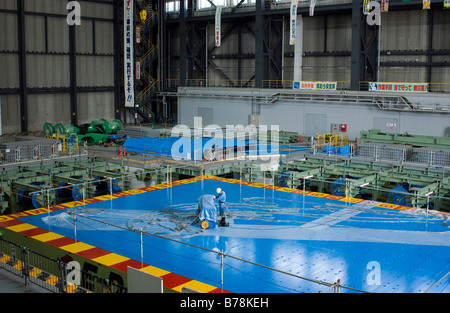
column 369, row 53
column 356, row 46
column 73, row 75
column 163, row 46
column 430, row 44
column 117, row 64
column 259, row 45
column 22, row 66
column 183, row 49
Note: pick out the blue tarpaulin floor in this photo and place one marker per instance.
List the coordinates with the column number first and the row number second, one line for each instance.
column 290, row 240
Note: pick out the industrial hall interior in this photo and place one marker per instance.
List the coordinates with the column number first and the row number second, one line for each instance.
column 225, row 147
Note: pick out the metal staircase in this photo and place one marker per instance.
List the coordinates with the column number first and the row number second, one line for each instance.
column 147, row 56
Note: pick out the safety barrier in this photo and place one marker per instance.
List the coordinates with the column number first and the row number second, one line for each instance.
column 49, row 273
column 403, row 154
column 39, row 152
column 333, row 139
column 284, row 84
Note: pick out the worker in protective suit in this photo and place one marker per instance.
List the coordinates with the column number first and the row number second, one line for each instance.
column 221, row 200
column 206, row 213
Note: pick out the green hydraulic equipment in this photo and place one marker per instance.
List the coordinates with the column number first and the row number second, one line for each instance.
column 26, row 186
column 95, row 132
column 283, row 136
column 375, row 135
column 395, row 184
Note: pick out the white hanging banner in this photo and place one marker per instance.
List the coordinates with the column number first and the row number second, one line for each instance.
column 312, row 4
column 293, row 22
column 128, row 22
column 218, row 22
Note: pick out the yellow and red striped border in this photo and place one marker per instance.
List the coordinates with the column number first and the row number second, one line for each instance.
column 309, row 193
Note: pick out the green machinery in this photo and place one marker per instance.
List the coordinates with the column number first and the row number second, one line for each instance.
column 283, row 136
column 396, row 184
column 27, row 187
column 375, row 135
column 95, row 132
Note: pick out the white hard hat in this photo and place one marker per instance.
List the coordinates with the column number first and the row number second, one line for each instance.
column 218, row 190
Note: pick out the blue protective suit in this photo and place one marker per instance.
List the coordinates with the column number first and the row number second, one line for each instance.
column 221, row 200
column 206, row 210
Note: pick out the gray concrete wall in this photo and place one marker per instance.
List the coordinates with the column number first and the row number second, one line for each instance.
column 234, row 106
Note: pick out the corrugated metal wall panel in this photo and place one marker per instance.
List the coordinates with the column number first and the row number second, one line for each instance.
column 441, row 29
column 403, row 74
column 46, row 6
column 313, row 34
column 53, row 108
column 47, row 71
column 404, row 30
column 8, row 4
column 95, row 71
column 84, row 40
column 9, row 68
column 58, row 35
column 10, row 114
column 8, row 32
column 339, row 33
column 96, row 10
column 104, row 40
column 35, row 33
column 95, row 105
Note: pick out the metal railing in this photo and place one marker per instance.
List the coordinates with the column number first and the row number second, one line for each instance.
column 283, row 84
column 430, row 157
column 38, row 152
column 50, row 274
column 432, row 87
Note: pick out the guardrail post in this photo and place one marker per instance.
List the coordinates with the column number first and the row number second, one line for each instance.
column 25, row 271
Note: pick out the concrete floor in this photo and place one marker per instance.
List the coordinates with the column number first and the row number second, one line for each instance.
column 11, row 283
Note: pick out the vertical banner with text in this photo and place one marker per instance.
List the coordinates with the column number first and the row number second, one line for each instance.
column 293, row 22
column 312, row 5
column 128, row 22
column 217, row 34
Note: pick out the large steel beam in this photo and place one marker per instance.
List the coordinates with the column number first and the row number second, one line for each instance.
column 117, row 64
column 355, row 71
column 183, row 48
column 73, row 75
column 22, row 66
column 259, row 45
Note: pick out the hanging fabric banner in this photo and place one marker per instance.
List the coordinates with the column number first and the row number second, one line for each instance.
column 312, row 4
column 138, row 70
column 385, row 6
column 218, row 22
column 128, row 23
column 138, row 34
column 426, row 4
column 293, row 22
column 366, row 7
column 446, row 4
